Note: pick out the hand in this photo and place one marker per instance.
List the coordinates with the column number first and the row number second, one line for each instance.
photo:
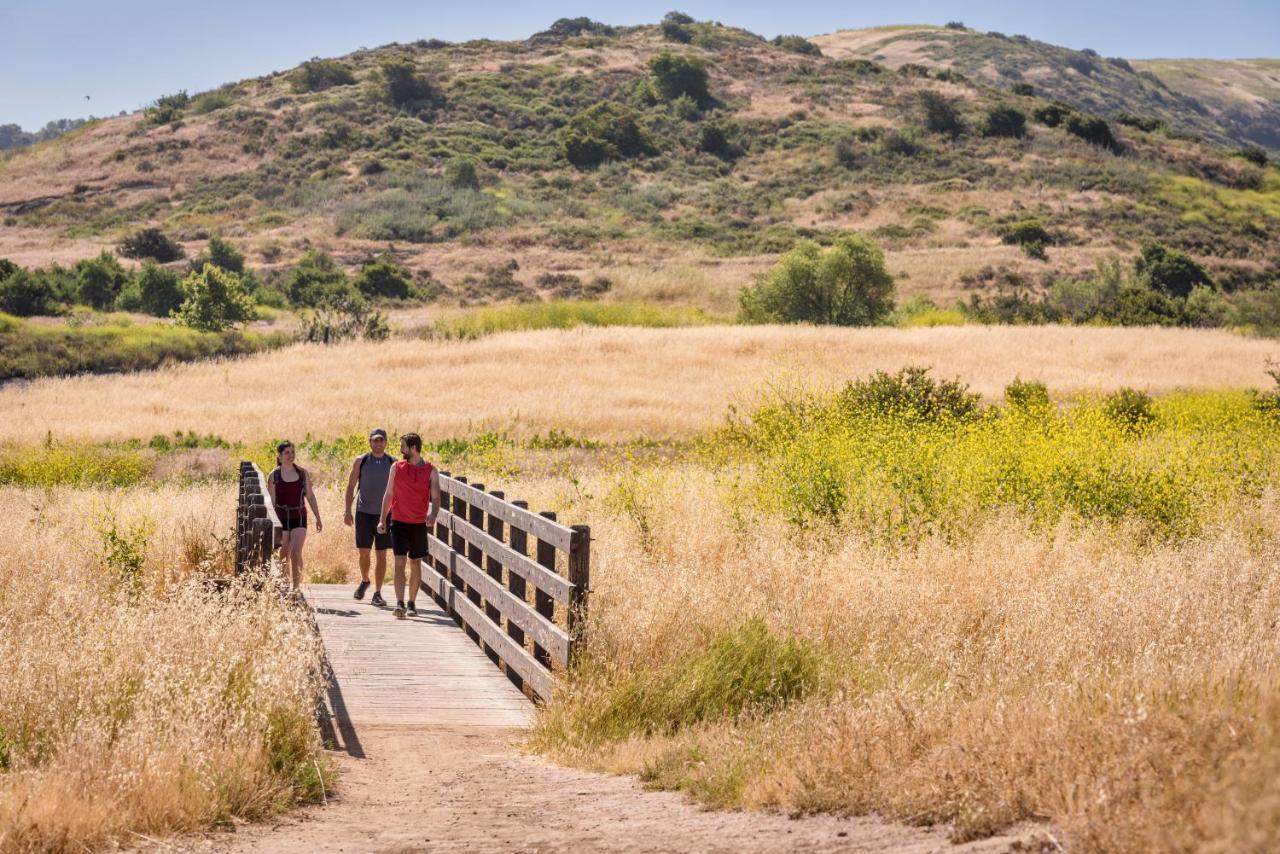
column 382, row 527
column 319, row 525
column 347, row 519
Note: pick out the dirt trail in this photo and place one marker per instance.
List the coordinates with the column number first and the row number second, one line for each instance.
column 452, row 789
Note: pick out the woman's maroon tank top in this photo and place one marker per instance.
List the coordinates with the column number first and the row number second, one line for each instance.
column 290, row 506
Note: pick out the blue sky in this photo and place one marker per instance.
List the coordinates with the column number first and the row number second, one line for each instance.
column 125, row 53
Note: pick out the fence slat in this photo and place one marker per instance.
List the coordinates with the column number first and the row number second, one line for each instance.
column 555, row 585
column 535, row 524
column 494, row 567
column 515, row 583
column 542, row 602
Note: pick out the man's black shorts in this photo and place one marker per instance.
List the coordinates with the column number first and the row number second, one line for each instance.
column 409, row 538
column 367, row 536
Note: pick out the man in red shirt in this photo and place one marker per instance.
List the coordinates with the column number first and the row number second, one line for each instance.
column 413, row 500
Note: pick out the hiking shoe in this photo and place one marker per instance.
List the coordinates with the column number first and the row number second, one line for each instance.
column 399, row 611
column 413, row 610
column 378, row 601
column 364, row 585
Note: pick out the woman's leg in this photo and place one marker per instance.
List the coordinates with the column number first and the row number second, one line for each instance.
column 295, row 564
column 286, row 548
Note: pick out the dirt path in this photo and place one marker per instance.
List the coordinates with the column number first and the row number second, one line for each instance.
column 451, row 789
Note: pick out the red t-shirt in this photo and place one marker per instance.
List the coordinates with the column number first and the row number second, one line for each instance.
column 411, row 494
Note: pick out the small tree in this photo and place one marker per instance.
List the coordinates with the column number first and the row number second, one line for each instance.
column 676, row 27
column 100, row 280
column 846, row 285
column 159, row 290
column 678, row 74
column 940, row 114
column 316, row 75
column 1255, row 154
column 383, row 277
column 1092, row 130
column 404, row 87
column 26, row 295
column 797, row 44
column 151, row 243
column 1005, row 121
column 460, row 173
column 605, row 131
column 1168, row 271
column 316, row 278
column 215, row 301
column 220, row 253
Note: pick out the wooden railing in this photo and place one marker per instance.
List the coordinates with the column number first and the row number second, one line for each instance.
column 258, row 530
column 514, row 580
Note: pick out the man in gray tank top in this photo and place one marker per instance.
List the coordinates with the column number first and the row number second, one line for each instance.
column 369, row 474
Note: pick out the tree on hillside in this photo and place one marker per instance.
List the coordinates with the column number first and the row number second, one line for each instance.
column 1168, row 271
column 220, row 253
column 1005, row 121
column 845, row 285
column 151, row 243
column 405, row 87
column 383, row 277
column 215, row 301
column 160, row 290
column 677, row 74
column 940, row 114
column 316, row 75
column 316, row 279
column 605, row 131
column 26, row 295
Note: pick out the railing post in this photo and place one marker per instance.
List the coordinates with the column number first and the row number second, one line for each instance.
column 542, row 602
column 475, row 515
column 493, row 567
column 459, row 546
column 580, row 577
column 516, row 584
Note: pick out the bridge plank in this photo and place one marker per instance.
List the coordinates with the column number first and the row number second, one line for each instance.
column 413, row 672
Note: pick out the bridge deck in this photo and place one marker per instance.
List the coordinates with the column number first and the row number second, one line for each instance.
column 423, row 672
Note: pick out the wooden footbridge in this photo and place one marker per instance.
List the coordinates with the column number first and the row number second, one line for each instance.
column 507, row 594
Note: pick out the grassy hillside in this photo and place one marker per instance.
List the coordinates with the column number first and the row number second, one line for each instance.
column 785, row 144
column 1243, row 95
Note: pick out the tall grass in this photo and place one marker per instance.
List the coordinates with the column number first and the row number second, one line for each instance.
column 568, row 314
column 134, row 700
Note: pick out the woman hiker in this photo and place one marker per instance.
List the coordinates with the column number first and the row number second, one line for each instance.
column 290, row 488
column 413, row 500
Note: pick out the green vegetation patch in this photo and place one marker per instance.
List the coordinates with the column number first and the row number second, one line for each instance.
column 567, row 315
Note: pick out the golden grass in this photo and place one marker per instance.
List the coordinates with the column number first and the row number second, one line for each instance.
column 143, row 709
column 602, row 383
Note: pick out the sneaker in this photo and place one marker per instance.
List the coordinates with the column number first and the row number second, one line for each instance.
column 378, row 601
column 399, row 610
column 413, row 610
column 364, row 585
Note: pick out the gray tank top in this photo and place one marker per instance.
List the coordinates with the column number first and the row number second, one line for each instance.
column 373, row 483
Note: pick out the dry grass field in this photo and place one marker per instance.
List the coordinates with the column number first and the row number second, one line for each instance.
column 1044, row 615
column 607, row 384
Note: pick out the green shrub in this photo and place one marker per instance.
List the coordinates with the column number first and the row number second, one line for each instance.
column 567, row 314
column 220, row 253
column 1092, row 130
column 846, row 285
column 676, row 27
column 1052, row 114
column 941, row 115
column 405, row 88
column 100, row 280
column 1206, row 308
column 460, row 174
column 903, row 143
column 159, row 290
column 122, row 552
column 316, row 278
column 1255, row 154
column 207, row 102
column 25, row 294
column 1169, row 271
column 674, row 75
column 1035, row 249
column 1129, row 409
column 604, row 132
column 911, row 394
column 1026, row 396
column 1025, row 232
column 797, row 44
column 717, row 139
column 382, row 277
column 1024, row 89
column 341, row 317
column 316, row 75
column 1005, row 121
column 151, row 243
column 168, row 108
column 215, row 301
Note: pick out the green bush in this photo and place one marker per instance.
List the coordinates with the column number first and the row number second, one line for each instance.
column 797, row 44
column 941, row 115
column 604, row 132
column 846, row 285
column 159, row 290
column 1169, row 271
column 100, row 280
column 460, row 174
column 168, row 108
column 1092, row 130
column 220, row 253
column 341, row 317
column 903, row 143
column 316, row 75
column 1206, row 308
column 1129, row 409
column 676, row 27
column 1052, row 114
column 674, row 75
column 1005, row 121
column 215, row 301
column 1026, row 396
column 1255, row 154
column 716, row 138
column 26, row 295
column 405, row 88
column 315, row 278
column 1025, row 232
column 911, row 394
column 382, row 277
column 151, row 243
column 1024, row 89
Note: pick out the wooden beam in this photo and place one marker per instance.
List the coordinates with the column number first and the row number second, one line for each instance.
column 555, row 585
column 544, row 529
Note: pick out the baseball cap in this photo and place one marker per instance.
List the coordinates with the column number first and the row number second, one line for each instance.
column 377, row 433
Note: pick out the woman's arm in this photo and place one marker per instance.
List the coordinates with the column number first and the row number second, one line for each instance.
column 271, row 487
column 386, row 501
column 315, row 508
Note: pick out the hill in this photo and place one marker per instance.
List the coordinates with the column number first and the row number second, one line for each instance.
column 456, row 158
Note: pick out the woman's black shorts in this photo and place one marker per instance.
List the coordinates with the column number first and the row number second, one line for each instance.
column 287, row 524
column 409, row 538
column 367, row 536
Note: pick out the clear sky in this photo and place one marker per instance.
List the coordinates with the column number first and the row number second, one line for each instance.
column 125, row 53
